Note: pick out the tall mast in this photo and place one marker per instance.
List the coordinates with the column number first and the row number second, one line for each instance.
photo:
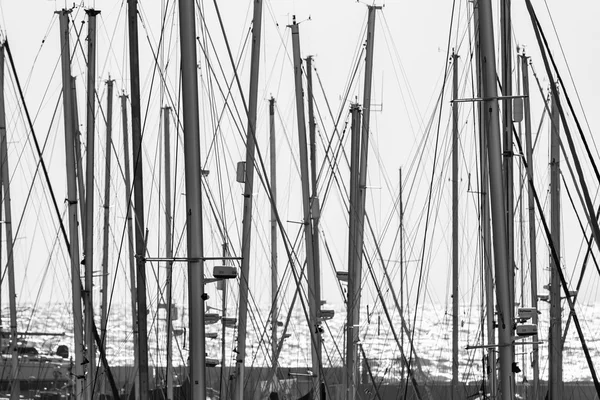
column 168, row 218
column 15, row 384
column 455, row 392
column 501, row 262
column 362, row 175
column 487, row 258
column 248, row 190
column 404, row 331
column 78, row 162
column 315, row 214
column 193, row 188
column 138, row 194
column 304, row 176
column 485, row 218
column 508, row 167
column 555, row 384
column 80, row 379
column 353, row 287
column 130, row 241
column 104, row 309
column 401, row 263
column 222, row 285
column 518, row 118
column 89, row 203
column 169, row 251
column 532, row 225
column 274, row 277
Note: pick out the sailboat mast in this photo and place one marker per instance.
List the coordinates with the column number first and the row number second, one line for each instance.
column 455, row 383
column 130, row 241
column 248, row 194
column 80, row 379
column 401, row 262
column 193, row 188
column 107, row 165
column 274, row 272
column 222, row 285
column 138, row 194
column 486, row 234
column 78, row 162
column 169, row 250
column 501, row 262
column 89, row 202
column 518, row 118
column 555, row 384
column 353, row 287
column 532, row 224
column 15, row 385
column 304, row 176
column 508, row 167
column 487, row 266
column 362, row 171
column 358, row 181
column 168, row 220
column 315, row 214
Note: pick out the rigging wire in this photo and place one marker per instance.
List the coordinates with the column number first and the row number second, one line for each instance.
column 39, row 151
column 560, row 46
column 430, row 188
column 543, row 44
column 561, row 274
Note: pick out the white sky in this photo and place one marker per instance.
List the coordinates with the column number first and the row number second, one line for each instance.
column 331, row 31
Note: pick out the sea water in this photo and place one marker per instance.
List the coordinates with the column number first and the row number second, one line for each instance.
column 431, row 331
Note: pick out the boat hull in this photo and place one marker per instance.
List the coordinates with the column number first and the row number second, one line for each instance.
column 37, row 373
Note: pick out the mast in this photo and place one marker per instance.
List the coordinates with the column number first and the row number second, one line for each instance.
column 315, row 214
column 485, row 219
column 89, row 202
column 518, row 118
column 532, row 226
column 508, row 167
column 501, row 262
column 401, row 227
column 222, row 285
column 79, row 164
column 304, row 176
column 351, row 322
column 455, row 392
column 138, row 193
column 487, row 259
column 80, row 379
column 274, row 277
column 104, row 308
column 248, row 190
column 15, row 384
column 555, row 384
column 169, row 251
column 193, row 188
column 362, row 175
column 130, row 241
column 358, row 181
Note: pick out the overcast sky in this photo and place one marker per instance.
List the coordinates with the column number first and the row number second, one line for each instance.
column 412, row 39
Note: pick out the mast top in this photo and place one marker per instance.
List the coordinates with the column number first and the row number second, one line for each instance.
column 92, row 12
column 64, row 11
